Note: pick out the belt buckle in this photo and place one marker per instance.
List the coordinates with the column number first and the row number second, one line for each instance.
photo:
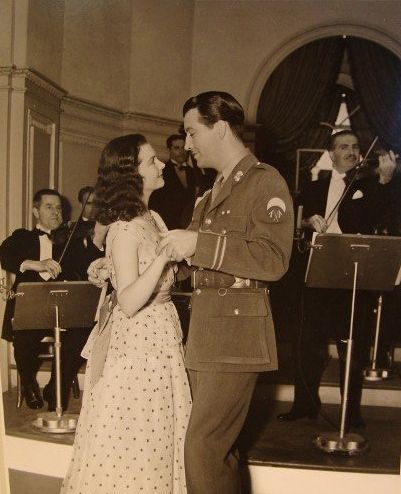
column 241, row 282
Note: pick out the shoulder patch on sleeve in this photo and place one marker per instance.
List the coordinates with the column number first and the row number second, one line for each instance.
column 276, row 208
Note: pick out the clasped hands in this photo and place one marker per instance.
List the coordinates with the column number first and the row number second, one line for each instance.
column 178, row 245
column 175, row 245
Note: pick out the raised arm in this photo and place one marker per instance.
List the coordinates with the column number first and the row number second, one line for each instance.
column 134, row 290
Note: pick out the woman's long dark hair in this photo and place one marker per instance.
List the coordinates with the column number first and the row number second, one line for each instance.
column 119, row 186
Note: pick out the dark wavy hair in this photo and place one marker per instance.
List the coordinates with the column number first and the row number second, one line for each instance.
column 119, row 186
column 218, row 105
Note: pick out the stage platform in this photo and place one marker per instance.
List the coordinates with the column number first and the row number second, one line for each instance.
column 277, row 457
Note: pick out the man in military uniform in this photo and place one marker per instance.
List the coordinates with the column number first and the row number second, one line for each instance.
column 239, row 239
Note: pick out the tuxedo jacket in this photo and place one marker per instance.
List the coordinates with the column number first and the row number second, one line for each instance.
column 362, row 210
column 174, row 202
column 25, row 244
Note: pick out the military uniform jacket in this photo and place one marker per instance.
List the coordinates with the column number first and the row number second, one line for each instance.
column 247, row 232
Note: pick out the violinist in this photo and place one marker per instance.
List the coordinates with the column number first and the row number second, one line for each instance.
column 86, row 223
column 340, row 203
column 35, row 256
column 85, row 229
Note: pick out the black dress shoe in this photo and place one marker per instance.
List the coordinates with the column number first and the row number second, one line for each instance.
column 49, row 395
column 32, row 396
column 48, row 392
column 291, row 416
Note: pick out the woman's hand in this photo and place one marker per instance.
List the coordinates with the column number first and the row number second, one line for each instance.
column 164, row 256
column 99, row 272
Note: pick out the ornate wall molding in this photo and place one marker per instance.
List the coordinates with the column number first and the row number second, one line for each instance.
column 80, row 138
column 19, row 75
column 336, row 29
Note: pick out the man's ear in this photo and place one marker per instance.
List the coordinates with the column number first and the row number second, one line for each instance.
column 35, row 212
column 221, row 126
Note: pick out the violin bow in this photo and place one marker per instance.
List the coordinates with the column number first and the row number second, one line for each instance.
column 73, row 229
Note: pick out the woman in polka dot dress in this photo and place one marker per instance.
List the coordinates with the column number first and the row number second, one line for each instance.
column 130, row 434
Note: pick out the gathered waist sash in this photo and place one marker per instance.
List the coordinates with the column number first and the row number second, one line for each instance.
column 156, row 298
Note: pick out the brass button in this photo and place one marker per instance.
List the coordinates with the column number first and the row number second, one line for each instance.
column 208, row 221
column 198, row 291
column 223, row 212
column 236, row 312
column 223, row 231
column 228, row 211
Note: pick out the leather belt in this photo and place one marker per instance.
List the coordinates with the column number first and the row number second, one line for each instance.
column 203, row 278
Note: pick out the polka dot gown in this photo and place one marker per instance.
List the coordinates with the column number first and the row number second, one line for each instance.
column 130, row 434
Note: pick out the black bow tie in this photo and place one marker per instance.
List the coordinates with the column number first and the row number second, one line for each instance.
column 181, row 167
column 41, row 232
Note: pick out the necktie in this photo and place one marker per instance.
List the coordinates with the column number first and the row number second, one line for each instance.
column 347, row 180
column 350, row 176
column 182, row 175
column 218, row 184
column 41, row 232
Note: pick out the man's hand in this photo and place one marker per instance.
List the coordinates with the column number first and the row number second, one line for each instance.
column 316, row 223
column 99, row 272
column 387, row 165
column 99, row 235
column 46, row 266
column 179, row 244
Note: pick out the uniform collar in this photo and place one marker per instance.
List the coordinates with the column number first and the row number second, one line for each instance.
column 243, row 167
column 236, row 176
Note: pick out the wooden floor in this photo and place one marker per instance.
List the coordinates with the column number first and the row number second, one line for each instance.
column 266, row 441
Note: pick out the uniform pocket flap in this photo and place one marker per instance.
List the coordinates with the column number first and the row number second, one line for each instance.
column 235, row 223
column 233, row 303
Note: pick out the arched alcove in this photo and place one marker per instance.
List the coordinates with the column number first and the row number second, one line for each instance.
column 304, row 90
column 272, row 61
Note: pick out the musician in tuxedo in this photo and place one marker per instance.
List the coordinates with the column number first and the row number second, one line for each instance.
column 32, row 256
column 183, row 181
column 327, row 311
column 85, row 228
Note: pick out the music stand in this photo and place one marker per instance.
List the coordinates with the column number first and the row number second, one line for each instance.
column 59, row 306
column 373, row 373
column 357, row 262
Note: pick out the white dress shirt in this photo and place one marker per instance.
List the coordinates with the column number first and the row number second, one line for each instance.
column 46, row 252
column 336, row 189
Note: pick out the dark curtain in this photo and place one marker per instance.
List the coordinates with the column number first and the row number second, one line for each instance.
column 358, row 120
column 299, row 95
column 376, row 73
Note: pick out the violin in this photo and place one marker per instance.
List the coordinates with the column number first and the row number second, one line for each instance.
column 81, row 229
